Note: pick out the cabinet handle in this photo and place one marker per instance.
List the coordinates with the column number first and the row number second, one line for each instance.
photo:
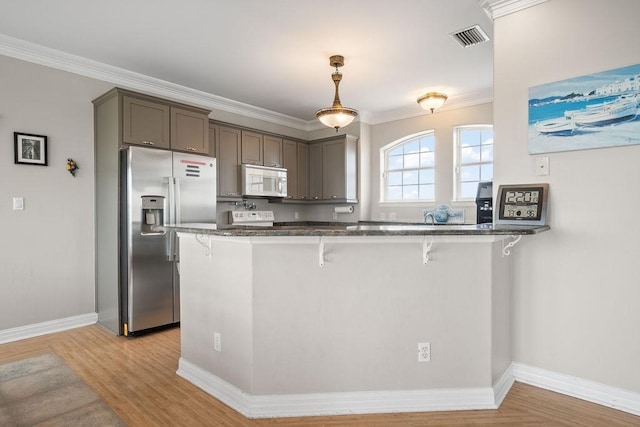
column 316, row 197
column 334, row 197
column 190, row 149
column 148, row 142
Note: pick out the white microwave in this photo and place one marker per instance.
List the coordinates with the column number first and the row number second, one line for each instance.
column 263, row 181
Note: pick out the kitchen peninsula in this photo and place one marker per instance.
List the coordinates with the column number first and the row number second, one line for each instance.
column 326, row 319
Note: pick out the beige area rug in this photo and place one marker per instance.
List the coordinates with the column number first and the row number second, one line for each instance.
column 43, row 391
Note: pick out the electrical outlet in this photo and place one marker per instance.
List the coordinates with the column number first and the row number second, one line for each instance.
column 296, row 215
column 424, row 352
column 217, row 341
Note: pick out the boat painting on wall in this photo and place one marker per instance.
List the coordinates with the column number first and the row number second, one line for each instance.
column 593, row 111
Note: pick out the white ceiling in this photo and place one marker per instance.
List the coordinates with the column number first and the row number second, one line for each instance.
column 274, row 54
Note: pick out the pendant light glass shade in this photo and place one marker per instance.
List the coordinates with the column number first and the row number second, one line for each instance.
column 336, row 116
column 432, row 101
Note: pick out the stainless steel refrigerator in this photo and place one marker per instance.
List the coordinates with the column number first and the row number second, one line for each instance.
column 158, row 187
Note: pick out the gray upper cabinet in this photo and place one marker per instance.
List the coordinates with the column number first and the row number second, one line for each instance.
column 272, row 151
column 315, row 171
column 213, row 137
column 189, row 130
column 303, row 171
column 145, row 122
column 333, row 169
column 295, row 158
column 157, row 123
column 290, row 162
column 228, row 155
column 252, row 148
column 259, row 149
column 321, row 171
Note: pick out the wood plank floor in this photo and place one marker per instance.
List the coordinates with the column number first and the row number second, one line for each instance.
column 137, row 378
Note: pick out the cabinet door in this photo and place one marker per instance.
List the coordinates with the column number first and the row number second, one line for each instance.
column 213, row 137
column 189, row 131
column 228, row 160
column 272, row 151
column 315, row 171
column 290, row 162
column 333, row 170
column 303, row 171
column 252, row 148
column 145, row 123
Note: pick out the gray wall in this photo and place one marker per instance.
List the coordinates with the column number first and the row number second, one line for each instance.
column 576, row 288
column 46, row 255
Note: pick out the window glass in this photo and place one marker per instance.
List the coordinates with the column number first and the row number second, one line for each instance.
column 473, row 159
column 408, row 170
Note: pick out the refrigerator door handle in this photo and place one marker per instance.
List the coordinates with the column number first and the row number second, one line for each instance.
column 177, row 202
column 171, row 210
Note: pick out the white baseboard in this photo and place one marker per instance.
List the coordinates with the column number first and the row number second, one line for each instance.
column 37, row 329
column 295, row 405
column 503, row 385
column 590, row 391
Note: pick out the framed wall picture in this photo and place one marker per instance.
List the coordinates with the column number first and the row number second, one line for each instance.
column 30, row 149
column 592, row 111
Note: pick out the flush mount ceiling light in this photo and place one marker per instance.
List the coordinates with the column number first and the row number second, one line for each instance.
column 336, row 116
column 432, row 101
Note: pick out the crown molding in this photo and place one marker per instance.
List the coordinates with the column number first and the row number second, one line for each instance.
column 497, row 8
column 37, row 54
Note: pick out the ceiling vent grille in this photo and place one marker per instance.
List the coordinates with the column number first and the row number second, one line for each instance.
column 470, row 36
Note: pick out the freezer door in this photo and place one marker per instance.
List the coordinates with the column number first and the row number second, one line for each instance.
column 148, row 262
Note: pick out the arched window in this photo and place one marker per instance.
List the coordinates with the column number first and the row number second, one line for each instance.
column 409, row 169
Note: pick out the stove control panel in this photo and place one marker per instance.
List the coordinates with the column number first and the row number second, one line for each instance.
column 257, row 218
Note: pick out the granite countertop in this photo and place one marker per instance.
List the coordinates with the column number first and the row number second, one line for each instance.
column 362, row 228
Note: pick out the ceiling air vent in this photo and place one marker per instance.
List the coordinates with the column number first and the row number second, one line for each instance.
column 470, row 36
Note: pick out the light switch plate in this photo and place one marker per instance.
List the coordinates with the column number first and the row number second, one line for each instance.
column 542, row 166
column 18, row 203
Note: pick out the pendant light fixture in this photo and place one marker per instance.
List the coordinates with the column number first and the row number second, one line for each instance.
column 432, row 101
column 336, row 116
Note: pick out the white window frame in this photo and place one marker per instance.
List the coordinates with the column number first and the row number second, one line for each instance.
column 384, row 168
column 457, row 158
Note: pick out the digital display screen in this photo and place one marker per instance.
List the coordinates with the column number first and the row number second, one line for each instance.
column 522, row 203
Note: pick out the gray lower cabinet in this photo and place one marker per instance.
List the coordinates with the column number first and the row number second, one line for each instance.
column 228, row 155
